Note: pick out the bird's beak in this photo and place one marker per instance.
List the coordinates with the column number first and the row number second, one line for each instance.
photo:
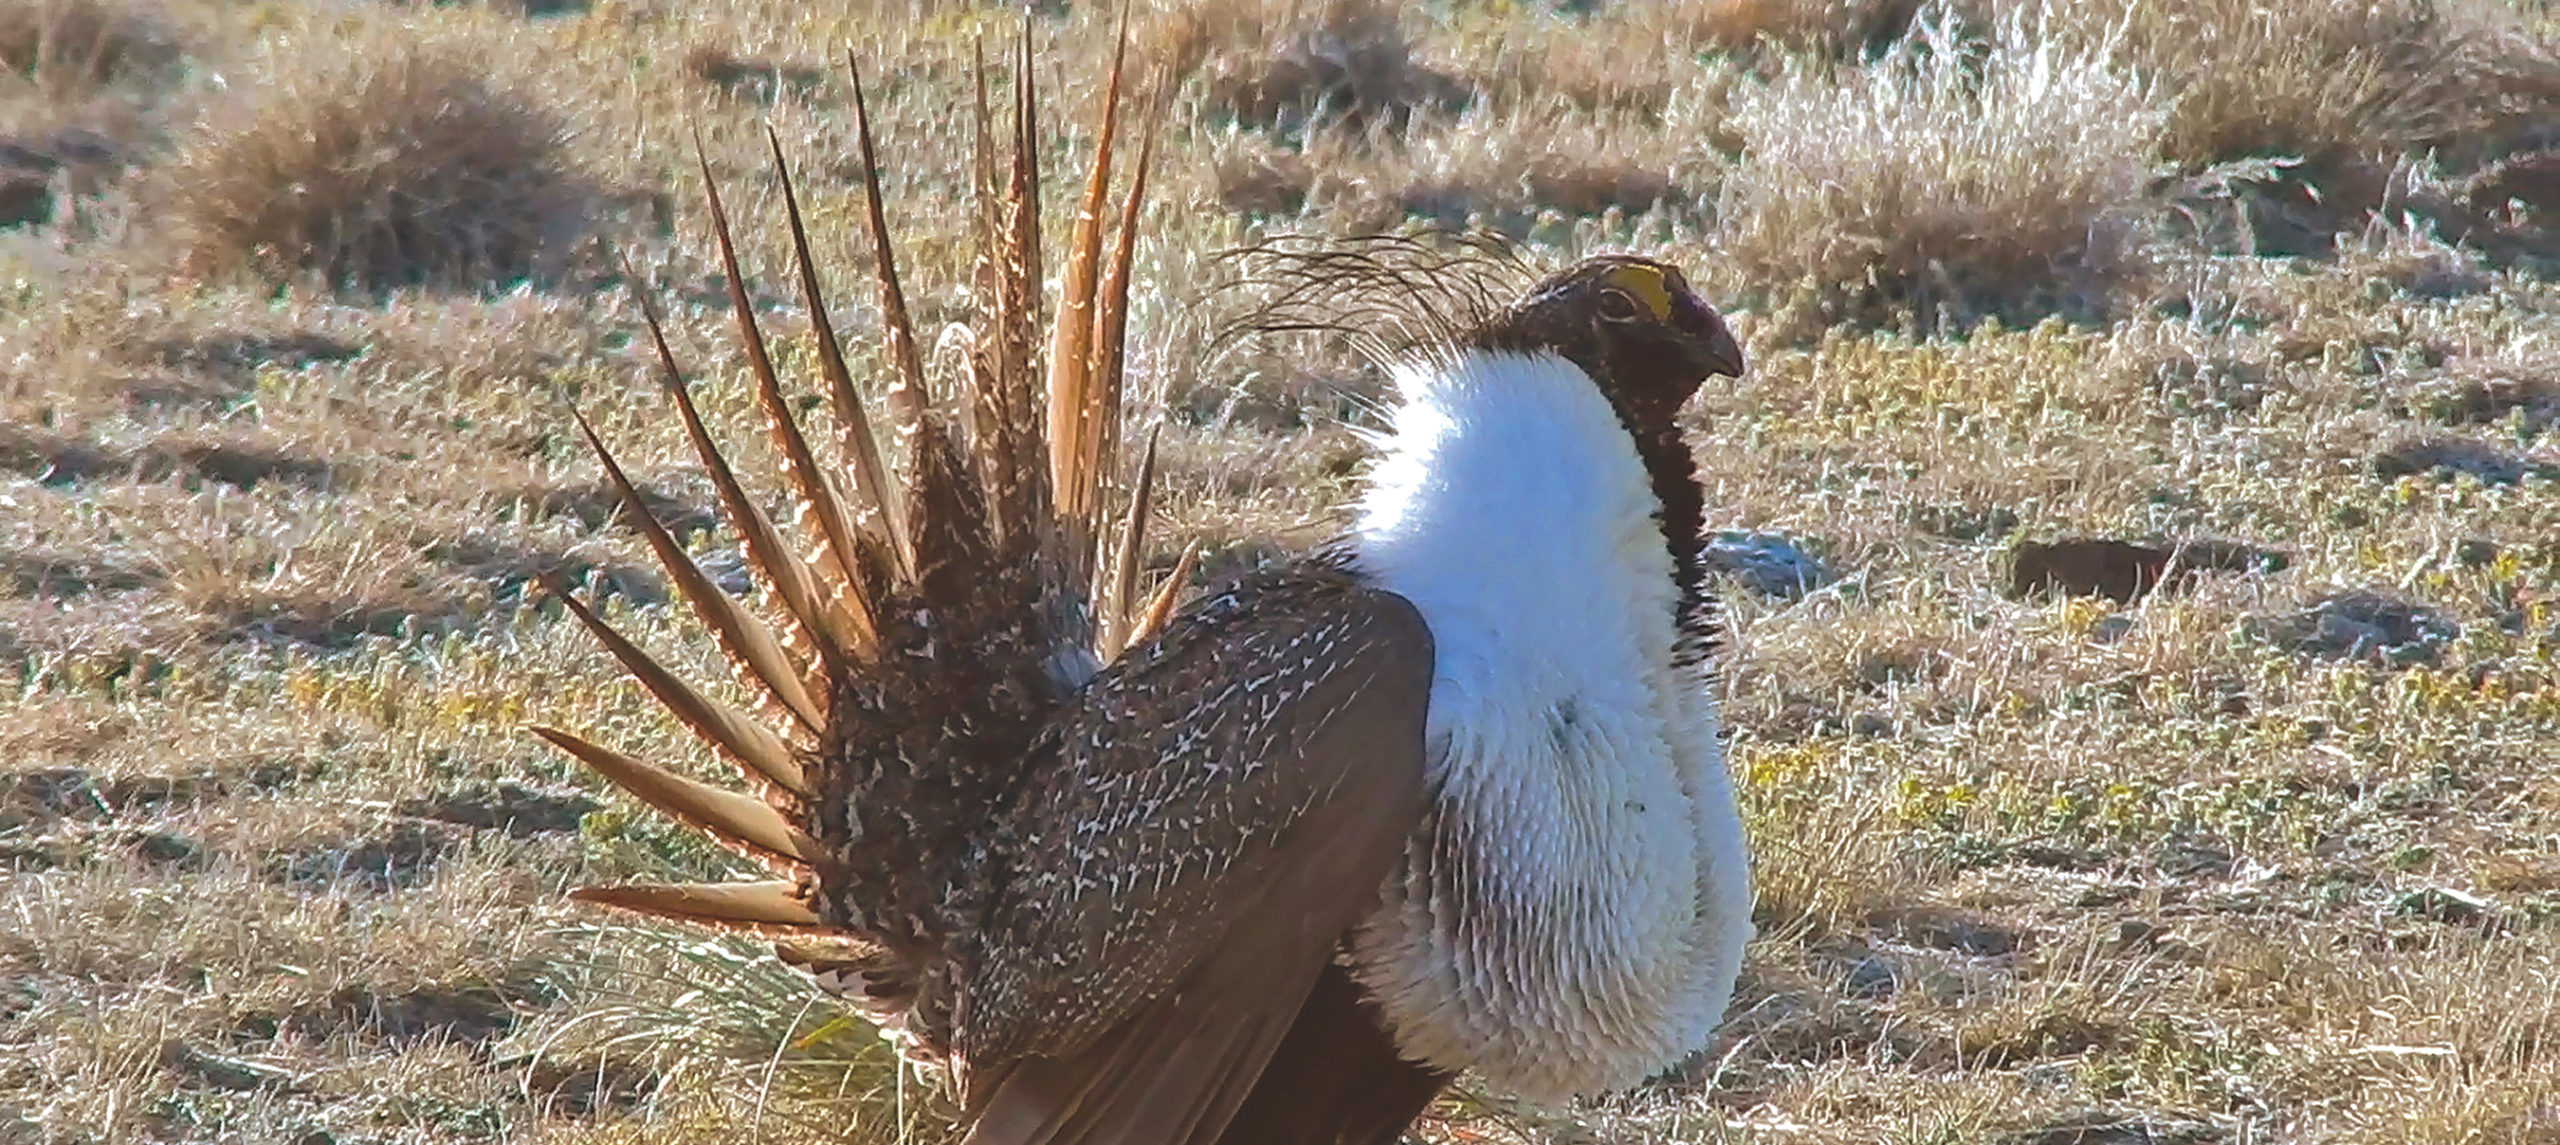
column 1724, row 354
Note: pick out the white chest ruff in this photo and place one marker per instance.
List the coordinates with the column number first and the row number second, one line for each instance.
column 1571, row 917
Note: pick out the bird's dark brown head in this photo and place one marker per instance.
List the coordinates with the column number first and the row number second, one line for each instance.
column 1632, row 324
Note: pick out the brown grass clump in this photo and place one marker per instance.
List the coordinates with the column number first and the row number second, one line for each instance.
column 750, row 78
column 2344, row 87
column 1519, row 175
column 1278, row 66
column 66, row 46
column 374, row 173
column 1927, row 187
column 1837, row 28
column 2334, row 81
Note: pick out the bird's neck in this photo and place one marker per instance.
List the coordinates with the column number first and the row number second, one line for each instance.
column 1509, row 482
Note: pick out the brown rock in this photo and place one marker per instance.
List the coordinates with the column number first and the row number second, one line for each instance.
column 26, row 197
column 2123, row 570
column 2530, row 180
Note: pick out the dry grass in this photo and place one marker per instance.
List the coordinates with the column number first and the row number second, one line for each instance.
column 2229, row 862
column 1941, row 184
column 375, row 172
column 2339, row 83
column 1293, row 68
column 1834, row 28
column 83, row 84
column 64, row 47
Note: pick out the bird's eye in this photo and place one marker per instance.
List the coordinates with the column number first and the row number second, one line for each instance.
column 1618, row 306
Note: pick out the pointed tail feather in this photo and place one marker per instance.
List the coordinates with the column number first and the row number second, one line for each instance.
column 755, row 749
column 950, row 607
column 1122, row 589
column 1111, row 313
column 842, row 522
column 790, row 578
column 1017, row 297
column 744, row 822
column 843, row 623
column 779, row 908
column 755, row 654
column 1075, row 406
column 906, row 390
column 1159, row 611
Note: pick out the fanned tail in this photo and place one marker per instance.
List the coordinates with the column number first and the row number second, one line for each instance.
column 934, row 612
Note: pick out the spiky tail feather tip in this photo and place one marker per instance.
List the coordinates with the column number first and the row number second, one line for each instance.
column 943, row 606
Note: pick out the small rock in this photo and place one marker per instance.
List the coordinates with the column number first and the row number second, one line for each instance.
column 2103, row 894
column 2186, row 859
column 2366, row 624
column 2085, row 566
column 2111, row 628
column 77, row 148
column 2102, row 1127
column 42, row 796
column 727, row 568
column 2530, row 180
column 2052, row 856
column 17, row 997
column 2448, row 457
column 26, row 197
column 517, row 809
column 2478, row 394
column 227, row 1072
column 464, row 1015
column 1957, row 931
column 2218, row 383
column 1962, row 522
column 160, row 848
column 757, row 80
column 32, row 168
column 2136, row 933
column 1873, row 976
column 584, row 1087
column 403, row 853
column 2443, row 904
column 1768, row 564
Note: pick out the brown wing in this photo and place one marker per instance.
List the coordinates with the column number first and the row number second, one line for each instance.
column 1337, row 1078
column 1228, row 804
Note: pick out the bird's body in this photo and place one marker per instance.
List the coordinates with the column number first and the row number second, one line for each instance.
column 1445, row 796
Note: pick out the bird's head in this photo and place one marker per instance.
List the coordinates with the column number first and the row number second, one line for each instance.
column 1632, row 324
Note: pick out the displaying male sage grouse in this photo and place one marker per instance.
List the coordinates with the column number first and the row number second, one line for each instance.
column 1274, row 865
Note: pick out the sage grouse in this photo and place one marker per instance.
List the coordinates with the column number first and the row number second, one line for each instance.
column 1274, row 865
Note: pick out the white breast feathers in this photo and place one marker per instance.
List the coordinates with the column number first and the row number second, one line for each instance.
column 1570, row 918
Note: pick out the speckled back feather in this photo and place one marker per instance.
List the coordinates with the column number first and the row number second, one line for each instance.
column 943, row 607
